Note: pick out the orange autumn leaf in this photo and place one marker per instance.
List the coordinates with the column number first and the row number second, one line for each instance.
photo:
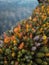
column 20, row 35
column 35, row 19
column 47, row 54
column 38, row 9
column 7, row 39
column 42, row 6
column 21, row 45
column 13, row 37
column 31, row 36
column 27, row 25
column 44, row 17
column 15, row 30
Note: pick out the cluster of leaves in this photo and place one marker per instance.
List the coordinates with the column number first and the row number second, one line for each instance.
column 43, row 1
column 28, row 42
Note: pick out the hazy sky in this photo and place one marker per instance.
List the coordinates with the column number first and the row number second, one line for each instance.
column 7, row 0
column 17, row 0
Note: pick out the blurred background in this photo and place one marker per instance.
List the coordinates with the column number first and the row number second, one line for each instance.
column 12, row 11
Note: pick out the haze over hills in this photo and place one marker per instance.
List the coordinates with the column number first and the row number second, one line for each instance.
column 12, row 11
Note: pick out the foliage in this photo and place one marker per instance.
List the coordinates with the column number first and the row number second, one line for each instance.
column 28, row 42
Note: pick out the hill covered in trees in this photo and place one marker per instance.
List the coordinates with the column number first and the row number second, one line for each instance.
column 28, row 42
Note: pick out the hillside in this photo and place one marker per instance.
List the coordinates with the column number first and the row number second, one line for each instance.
column 28, row 42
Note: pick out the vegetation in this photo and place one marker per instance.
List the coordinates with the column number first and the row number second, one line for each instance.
column 28, row 42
